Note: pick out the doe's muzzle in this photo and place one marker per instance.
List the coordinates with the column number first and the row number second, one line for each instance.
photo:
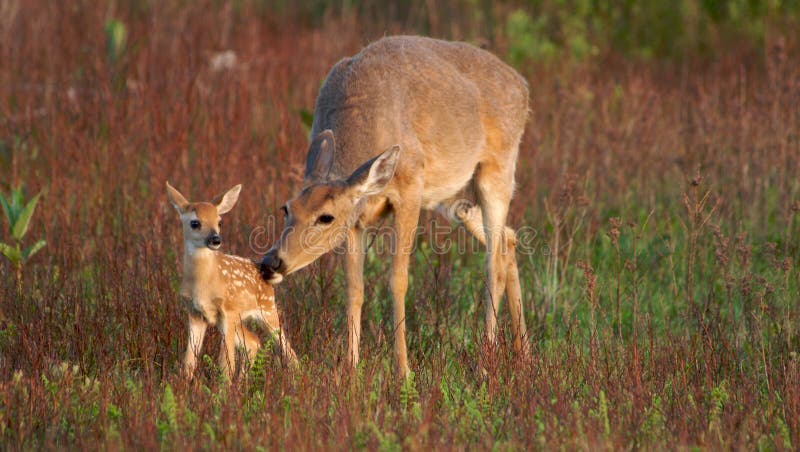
column 271, row 266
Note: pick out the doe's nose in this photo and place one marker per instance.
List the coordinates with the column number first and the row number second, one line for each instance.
column 271, row 263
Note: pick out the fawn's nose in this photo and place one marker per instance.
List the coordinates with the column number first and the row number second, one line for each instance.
column 271, row 263
column 214, row 241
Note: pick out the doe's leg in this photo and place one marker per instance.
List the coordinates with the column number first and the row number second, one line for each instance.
column 406, row 220
column 354, row 274
column 494, row 185
column 471, row 216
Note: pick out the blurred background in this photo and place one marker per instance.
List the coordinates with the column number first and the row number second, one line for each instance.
column 658, row 172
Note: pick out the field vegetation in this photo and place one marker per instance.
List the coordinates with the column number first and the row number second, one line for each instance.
column 657, row 184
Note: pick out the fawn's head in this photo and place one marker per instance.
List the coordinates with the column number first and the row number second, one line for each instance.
column 201, row 220
column 319, row 217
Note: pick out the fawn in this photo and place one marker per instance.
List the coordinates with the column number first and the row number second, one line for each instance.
column 221, row 289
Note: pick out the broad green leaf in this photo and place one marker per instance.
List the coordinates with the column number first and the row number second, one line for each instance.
column 33, row 249
column 21, row 226
column 11, row 253
column 10, row 216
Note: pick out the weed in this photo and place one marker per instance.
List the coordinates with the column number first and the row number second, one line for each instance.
column 18, row 213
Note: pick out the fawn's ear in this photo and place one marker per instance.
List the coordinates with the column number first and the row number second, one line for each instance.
column 176, row 199
column 225, row 201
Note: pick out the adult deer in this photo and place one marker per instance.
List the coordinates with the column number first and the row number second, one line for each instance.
column 450, row 116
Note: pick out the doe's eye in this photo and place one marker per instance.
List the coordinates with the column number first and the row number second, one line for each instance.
column 285, row 210
column 220, row 223
column 195, row 224
column 325, row 219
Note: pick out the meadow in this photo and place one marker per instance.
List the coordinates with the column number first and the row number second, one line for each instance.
column 657, row 187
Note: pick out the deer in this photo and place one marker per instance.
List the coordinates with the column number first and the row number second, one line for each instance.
column 220, row 289
column 409, row 124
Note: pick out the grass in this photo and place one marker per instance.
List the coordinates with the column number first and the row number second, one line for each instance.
column 659, row 203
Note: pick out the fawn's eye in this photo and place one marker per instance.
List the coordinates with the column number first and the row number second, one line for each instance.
column 325, row 219
column 220, row 223
column 195, row 224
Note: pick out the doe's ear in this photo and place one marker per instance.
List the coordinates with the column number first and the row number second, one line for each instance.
column 320, row 157
column 373, row 176
column 176, row 199
column 225, row 201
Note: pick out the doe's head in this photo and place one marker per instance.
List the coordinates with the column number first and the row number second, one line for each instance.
column 201, row 220
column 320, row 216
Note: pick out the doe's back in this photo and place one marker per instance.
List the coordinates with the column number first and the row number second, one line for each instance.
column 445, row 97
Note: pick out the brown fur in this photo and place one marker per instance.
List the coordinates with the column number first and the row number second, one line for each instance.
column 457, row 114
column 221, row 290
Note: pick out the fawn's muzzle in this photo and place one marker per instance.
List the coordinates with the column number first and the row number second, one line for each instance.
column 214, row 241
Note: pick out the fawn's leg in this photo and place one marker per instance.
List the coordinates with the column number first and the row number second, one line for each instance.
column 272, row 322
column 249, row 340
column 227, row 353
column 197, row 331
